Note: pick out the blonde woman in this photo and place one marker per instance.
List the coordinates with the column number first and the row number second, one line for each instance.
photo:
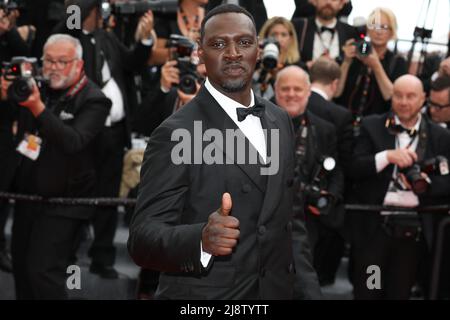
column 283, row 32
column 366, row 82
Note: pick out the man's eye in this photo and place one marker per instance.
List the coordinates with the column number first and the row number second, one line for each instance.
column 218, row 45
column 246, row 43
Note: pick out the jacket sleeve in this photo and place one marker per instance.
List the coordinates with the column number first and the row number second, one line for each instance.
column 73, row 137
column 336, row 179
column 363, row 163
column 16, row 45
column 133, row 59
column 158, row 240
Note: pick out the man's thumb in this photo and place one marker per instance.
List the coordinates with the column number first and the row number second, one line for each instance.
column 225, row 209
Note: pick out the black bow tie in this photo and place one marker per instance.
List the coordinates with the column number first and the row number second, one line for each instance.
column 398, row 128
column 323, row 29
column 257, row 110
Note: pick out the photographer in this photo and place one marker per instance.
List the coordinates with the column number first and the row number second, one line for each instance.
column 279, row 48
column 389, row 169
column 163, row 100
column 319, row 182
column 11, row 44
column 109, row 64
column 56, row 142
column 369, row 69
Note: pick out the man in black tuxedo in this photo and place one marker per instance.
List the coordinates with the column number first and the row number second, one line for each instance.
column 388, row 146
column 318, row 181
column 325, row 75
column 439, row 101
column 322, row 34
column 56, row 141
column 216, row 230
column 109, row 63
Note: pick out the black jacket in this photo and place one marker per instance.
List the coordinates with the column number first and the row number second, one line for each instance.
column 342, row 120
column 371, row 188
column 65, row 166
column 321, row 142
column 272, row 259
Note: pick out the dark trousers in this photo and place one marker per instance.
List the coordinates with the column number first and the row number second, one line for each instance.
column 397, row 258
column 109, row 172
column 41, row 248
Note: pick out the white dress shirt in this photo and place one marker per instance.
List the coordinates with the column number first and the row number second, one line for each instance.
column 251, row 127
column 402, row 140
column 326, row 41
column 320, row 92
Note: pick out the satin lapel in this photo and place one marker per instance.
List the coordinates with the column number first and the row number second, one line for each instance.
column 218, row 119
column 274, row 138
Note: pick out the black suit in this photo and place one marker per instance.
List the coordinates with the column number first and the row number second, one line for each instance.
column 44, row 235
column 271, row 259
column 367, row 233
column 306, row 29
column 342, row 120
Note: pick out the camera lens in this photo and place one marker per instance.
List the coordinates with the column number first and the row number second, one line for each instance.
column 20, row 90
column 187, row 84
column 270, row 56
column 418, row 183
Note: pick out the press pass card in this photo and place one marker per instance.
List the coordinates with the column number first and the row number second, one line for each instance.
column 30, row 146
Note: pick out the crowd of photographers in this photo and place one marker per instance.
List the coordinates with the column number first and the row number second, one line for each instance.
column 75, row 101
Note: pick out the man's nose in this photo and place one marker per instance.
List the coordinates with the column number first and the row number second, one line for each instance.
column 233, row 52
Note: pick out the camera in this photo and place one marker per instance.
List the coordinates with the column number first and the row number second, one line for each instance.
column 413, row 174
column 138, row 7
column 21, row 71
column 270, row 53
column 312, row 191
column 362, row 43
column 182, row 53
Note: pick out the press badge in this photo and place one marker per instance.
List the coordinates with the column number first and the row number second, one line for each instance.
column 30, row 146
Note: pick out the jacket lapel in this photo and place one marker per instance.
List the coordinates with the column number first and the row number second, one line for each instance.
column 217, row 118
column 275, row 152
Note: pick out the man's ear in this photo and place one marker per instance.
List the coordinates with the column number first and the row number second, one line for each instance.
column 200, row 55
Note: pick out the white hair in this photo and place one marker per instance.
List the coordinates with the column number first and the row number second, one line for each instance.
column 59, row 37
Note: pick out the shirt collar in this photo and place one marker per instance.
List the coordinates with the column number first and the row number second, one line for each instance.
column 228, row 104
column 320, row 92
column 331, row 25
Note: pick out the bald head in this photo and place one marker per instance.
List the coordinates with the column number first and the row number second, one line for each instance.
column 407, row 99
column 409, row 80
column 293, row 71
column 292, row 90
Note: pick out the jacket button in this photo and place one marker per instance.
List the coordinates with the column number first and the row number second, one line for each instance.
column 262, row 272
column 261, row 230
column 246, row 188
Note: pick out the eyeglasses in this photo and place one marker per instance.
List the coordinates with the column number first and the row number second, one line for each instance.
column 437, row 105
column 379, row 27
column 60, row 64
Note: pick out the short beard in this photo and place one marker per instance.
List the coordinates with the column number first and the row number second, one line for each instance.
column 325, row 16
column 234, row 86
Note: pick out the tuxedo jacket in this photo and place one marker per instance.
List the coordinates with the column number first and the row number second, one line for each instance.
column 342, row 120
column 306, row 29
column 370, row 187
column 272, row 257
column 66, row 164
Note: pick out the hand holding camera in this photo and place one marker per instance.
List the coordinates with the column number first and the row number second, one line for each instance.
column 145, row 27
column 5, row 24
column 169, row 75
column 403, row 158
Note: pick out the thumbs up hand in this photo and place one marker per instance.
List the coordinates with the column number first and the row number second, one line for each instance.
column 221, row 233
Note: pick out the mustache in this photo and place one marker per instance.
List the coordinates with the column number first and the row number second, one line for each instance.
column 229, row 65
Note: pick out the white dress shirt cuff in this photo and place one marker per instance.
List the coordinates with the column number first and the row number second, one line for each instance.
column 147, row 42
column 381, row 161
column 205, row 257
